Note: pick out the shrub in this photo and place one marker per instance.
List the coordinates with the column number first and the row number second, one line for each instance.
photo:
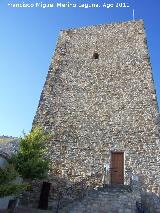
column 11, row 189
column 8, row 175
column 29, row 161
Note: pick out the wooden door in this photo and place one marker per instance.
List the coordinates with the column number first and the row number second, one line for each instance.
column 117, row 168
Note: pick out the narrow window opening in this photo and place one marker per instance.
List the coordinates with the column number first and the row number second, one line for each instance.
column 96, row 56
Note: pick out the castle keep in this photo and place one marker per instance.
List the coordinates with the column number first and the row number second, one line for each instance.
column 99, row 100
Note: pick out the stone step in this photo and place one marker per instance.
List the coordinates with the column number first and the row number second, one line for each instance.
column 115, row 188
column 103, row 200
column 28, row 210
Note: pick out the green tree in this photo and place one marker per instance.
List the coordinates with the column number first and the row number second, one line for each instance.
column 29, row 161
column 8, row 185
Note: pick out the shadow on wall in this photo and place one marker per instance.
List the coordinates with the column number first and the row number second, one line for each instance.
column 151, row 202
column 64, row 193
column 61, row 192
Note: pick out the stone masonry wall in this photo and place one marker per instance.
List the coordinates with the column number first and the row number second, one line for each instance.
column 151, row 202
column 95, row 106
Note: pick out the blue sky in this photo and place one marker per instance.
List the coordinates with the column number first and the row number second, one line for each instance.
column 27, row 40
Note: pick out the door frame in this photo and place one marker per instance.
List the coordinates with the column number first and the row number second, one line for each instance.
column 118, row 152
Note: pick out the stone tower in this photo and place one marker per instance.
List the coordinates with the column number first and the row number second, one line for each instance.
column 99, row 100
